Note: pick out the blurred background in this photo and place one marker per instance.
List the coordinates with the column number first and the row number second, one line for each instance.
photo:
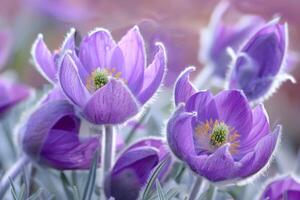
column 177, row 23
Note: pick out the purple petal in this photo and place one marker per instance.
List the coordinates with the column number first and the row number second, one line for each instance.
column 260, row 129
column 11, row 94
column 154, row 75
column 180, row 133
column 96, row 49
column 40, row 123
column 133, row 48
column 71, row 83
column 111, row 104
column 183, row 87
column 117, row 62
column 69, row 42
column 235, row 111
column 203, row 103
column 43, row 59
column 63, row 150
column 256, row 160
column 219, row 166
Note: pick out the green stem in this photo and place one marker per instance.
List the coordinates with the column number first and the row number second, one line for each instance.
column 12, row 173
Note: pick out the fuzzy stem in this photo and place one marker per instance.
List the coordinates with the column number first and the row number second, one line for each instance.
column 12, row 173
column 198, row 188
column 108, row 151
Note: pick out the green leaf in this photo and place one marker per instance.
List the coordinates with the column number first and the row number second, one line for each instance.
column 21, row 195
column 66, row 185
column 147, row 192
column 89, row 187
column 208, row 194
column 13, row 189
column 35, row 195
column 171, row 194
column 159, row 190
column 76, row 195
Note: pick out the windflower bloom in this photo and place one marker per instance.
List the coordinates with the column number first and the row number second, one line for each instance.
column 108, row 81
column 220, row 137
column 11, row 94
column 133, row 168
column 218, row 36
column 260, row 65
column 284, row 188
column 51, row 137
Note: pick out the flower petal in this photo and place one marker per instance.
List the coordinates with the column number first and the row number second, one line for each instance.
column 71, row 83
column 218, row 166
column 154, row 75
column 183, row 87
column 259, row 157
column 39, row 124
column 260, row 129
column 96, row 49
column 133, row 48
column 180, row 133
column 111, row 104
column 203, row 103
column 43, row 59
column 64, row 150
column 235, row 111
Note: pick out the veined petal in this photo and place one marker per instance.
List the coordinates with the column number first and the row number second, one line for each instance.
column 70, row 41
column 154, row 75
column 180, row 133
column 218, row 166
column 183, row 87
column 235, row 111
column 133, row 48
column 43, row 59
column 261, row 128
column 39, row 124
column 111, row 104
column 71, row 83
column 64, row 150
column 259, row 157
column 96, row 50
column 203, row 103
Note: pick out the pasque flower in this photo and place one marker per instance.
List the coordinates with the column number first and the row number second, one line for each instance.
column 219, row 36
column 133, row 168
column 106, row 80
column 283, row 188
column 259, row 66
column 51, row 137
column 220, row 137
column 11, row 94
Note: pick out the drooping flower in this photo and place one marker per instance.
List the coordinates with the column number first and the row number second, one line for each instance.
column 11, row 94
column 133, row 168
column 283, row 188
column 108, row 81
column 5, row 47
column 218, row 37
column 220, row 137
column 51, row 137
column 259, row 66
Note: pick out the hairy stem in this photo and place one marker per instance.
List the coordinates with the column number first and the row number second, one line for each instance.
column 108, row 151
column 12, row 173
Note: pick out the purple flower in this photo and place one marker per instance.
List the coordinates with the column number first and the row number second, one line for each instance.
column 51, row 137
column 284, row 188
column 218, row 37
column 11, row 94
column 219, row 136
column 133, row 168
column 259, row 67
column 5, row 47
column 108, row 81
